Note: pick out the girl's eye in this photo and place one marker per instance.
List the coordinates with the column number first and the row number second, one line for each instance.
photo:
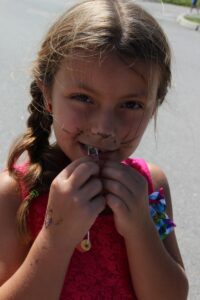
column 82, row 98
column 132, row 105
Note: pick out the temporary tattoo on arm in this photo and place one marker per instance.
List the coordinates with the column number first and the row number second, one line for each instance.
column 49, row 219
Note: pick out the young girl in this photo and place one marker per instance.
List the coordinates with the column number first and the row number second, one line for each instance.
column 91, row 222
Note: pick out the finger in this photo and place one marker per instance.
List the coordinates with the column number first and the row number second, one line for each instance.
column 119, row 190
column 117, row 206
column 114, row 169
column 82, row 173
column 91, row 189
column 98, row 204
column 66, row 172
column 126, row 175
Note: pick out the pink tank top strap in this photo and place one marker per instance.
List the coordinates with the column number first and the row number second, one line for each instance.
column 21, row 169
column 142, row 167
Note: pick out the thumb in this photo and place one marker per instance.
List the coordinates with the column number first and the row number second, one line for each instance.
column 66, row 172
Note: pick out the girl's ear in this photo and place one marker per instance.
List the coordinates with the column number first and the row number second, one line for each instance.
column 46, row 95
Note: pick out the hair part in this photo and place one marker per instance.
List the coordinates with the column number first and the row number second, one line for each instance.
column 96, row 28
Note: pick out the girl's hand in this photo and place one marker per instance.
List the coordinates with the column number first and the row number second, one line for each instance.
column 126, row 193
column 75, row 201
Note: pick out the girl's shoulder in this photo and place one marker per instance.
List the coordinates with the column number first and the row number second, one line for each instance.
column 154, row 174
column 158, row 176
column 10, row 199
column 160, row 180
column 12, row 250
column 9, row 190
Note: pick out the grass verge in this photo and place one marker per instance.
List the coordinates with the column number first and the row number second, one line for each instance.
column 195, row 18
column 178, row 2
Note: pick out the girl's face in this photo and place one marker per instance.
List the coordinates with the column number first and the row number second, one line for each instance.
column 105, row 105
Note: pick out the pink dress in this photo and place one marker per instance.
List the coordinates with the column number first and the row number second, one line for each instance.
column 103, row 271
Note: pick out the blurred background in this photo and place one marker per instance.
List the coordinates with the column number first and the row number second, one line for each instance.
column 174, row 145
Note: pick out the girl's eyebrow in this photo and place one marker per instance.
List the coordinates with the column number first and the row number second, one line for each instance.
column 86, row 87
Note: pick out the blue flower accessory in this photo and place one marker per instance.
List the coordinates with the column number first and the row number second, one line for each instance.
column 157, row 207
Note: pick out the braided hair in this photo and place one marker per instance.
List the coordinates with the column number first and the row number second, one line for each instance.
column 42, row 167
column 95, row 28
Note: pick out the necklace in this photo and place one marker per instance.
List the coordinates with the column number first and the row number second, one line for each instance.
column 85, row 245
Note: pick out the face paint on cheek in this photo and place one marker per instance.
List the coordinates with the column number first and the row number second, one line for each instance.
column 72, row 123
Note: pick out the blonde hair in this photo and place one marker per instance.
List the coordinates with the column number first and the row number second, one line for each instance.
column 98, row 27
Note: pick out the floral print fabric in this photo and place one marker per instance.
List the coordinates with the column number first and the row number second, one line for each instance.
column 157, row 208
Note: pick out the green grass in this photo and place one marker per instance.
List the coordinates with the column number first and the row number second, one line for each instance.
column 195, row 19
column 178, row 2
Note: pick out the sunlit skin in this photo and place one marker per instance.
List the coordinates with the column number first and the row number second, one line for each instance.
column 106, row 105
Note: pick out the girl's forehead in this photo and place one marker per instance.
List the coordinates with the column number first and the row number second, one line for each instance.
column 109, row 65
column 112, row 71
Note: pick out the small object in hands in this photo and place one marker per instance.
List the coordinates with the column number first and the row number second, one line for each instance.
column 93, row 152
column 85, row 245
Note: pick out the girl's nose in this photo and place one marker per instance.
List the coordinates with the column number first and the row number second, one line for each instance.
column 104, row 125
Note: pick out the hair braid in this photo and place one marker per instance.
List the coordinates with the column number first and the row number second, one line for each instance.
column 39, row 124
column 36, row 139
column 36, row 142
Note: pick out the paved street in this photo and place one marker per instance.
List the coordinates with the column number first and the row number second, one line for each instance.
column 175, row 145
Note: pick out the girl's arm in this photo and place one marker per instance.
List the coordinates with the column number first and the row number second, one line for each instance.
column 156, row 267
column 27, row 274
column 40, row 273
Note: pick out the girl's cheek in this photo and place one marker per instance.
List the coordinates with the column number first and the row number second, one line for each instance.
column 73, row 121
column 134, row 128
column 129, row 125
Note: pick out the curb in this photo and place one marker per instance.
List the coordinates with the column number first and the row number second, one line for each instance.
column 186, row 23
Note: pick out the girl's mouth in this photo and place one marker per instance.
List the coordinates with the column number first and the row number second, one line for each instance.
column 95, row 152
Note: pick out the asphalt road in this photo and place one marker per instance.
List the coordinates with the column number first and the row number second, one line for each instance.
column 175, row 145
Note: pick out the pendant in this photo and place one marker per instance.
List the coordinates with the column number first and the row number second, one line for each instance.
column 85, row 245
